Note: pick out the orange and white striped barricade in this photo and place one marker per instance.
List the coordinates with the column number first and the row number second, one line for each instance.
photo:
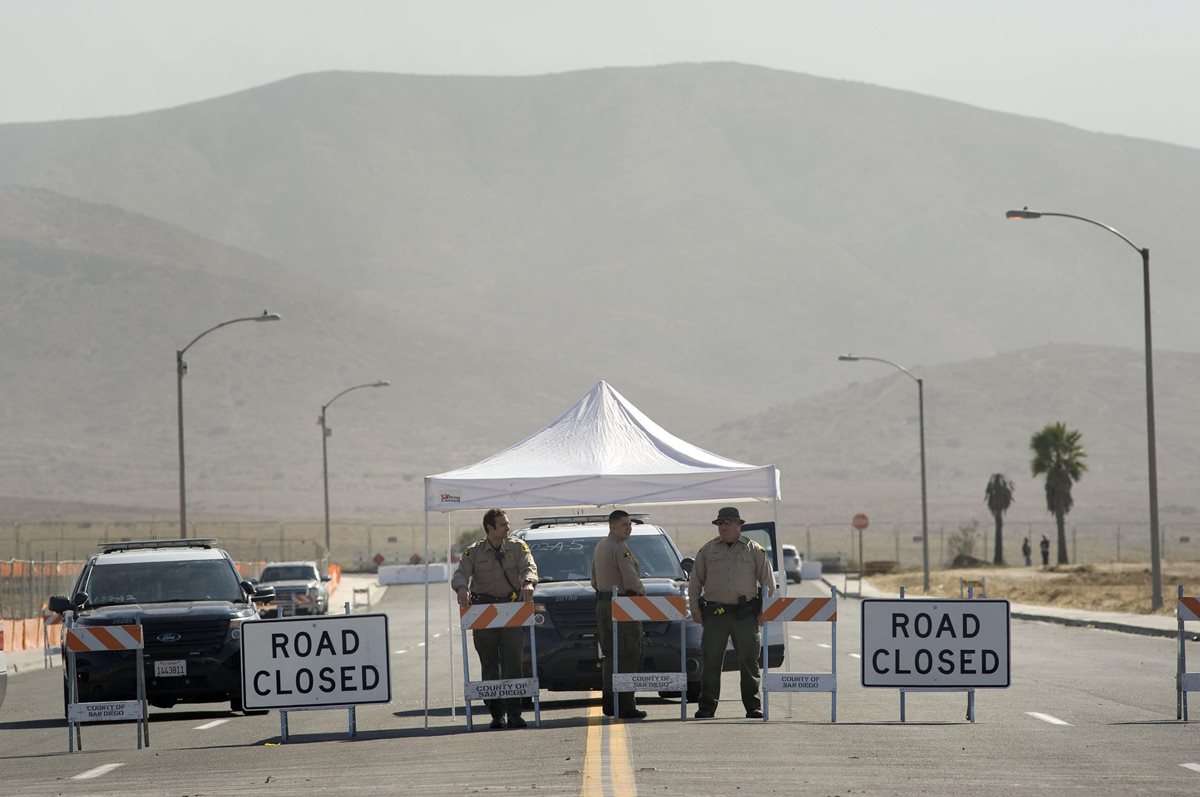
column 104, row 638
column 53, row 620
column 1187, row 609
column 800, row 610
column 485, row 616
column 650, row 609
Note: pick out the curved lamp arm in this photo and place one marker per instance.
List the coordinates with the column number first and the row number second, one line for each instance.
column 1026, row 213
column 264, row 317
column 853, row 358
column 380, row 383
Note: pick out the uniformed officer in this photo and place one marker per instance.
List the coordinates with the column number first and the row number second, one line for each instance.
column 725, row 590
column 614, row 565
column 497, row 569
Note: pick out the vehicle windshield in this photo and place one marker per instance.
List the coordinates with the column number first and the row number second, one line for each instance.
column 289, row 573
column 162, row 582
column 570, row 559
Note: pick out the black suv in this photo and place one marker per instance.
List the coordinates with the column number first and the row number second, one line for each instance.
column 567, row 638
column 191, row 603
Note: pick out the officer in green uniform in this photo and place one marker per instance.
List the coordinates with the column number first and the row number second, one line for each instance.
column 725, row 590
column 497, row 569
column 613, row 565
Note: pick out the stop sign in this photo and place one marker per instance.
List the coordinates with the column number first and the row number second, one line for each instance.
column 378, row 559
column 860, row 521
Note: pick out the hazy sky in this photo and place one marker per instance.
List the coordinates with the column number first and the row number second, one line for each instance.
column 1102, row 65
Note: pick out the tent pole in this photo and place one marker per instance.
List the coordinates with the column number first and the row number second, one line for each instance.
column 450, row 620
column 426, row 560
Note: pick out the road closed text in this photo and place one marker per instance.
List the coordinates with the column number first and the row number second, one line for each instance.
column 921, row 643
column 303, row 662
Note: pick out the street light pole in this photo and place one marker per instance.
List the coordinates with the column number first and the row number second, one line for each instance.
column 325, row 449
column 180, row 370
column 1156, row 598
column 851, row 358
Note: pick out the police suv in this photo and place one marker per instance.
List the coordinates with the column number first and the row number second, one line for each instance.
column 568, row 646
column 191, row 603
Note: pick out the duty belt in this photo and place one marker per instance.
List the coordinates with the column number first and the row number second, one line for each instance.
column 607, row 595
column 478, row 597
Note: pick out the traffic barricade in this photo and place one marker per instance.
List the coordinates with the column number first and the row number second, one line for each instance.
column 484, row 616
column 51, row 625
column 1187, row 609
column 97, row 638
column 655, row 609
column 365, row 593
column 972, row 588
column 800, row 610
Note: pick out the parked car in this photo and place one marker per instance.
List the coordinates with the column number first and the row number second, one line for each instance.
column 299, row 587
column 191, row 603
column 792, row 559
column 567, row 638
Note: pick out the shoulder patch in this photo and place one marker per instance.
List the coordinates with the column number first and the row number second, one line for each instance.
column 754, row 546
column 467, row 553
column 628, row 554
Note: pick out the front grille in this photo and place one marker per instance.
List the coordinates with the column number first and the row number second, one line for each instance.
column 573, row 618
column 205, row 636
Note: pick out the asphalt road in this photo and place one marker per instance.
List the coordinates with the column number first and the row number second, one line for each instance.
column 1088, row 712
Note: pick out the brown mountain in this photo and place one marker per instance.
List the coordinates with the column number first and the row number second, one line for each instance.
column 705, row 237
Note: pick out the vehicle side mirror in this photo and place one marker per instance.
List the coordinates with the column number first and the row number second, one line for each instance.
column 252, row 580
column 327, row 578
column 687, row 563
column 60, row 603
column 263, row 594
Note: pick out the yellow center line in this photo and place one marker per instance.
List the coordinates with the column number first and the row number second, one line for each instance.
column 616, row 778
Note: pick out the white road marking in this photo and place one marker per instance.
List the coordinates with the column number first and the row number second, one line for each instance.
column 797, row 637
column 1192, row 767
column 854, row 656
column 212, row 724
column 1047, row 718
column 401, row 651
column 823, row 645
column 420, row 644
column 438, row 634
column 97, row 772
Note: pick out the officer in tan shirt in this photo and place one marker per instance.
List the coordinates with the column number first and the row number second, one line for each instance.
column 497, row 569
column 614, row 565
column 725, row 589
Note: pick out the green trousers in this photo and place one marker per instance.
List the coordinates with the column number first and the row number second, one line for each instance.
column 629, row 658
column 499, row 652
column 747, row 644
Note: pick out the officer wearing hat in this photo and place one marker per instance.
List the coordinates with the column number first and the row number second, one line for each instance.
column 614, row 565
column 725, row 591
column 497, row 569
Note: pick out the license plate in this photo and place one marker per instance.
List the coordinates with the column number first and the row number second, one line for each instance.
column 170, row 669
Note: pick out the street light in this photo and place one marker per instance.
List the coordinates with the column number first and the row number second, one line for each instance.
column 1156, row 600
column 324, row 449
column 180, row 370
column 853, row 358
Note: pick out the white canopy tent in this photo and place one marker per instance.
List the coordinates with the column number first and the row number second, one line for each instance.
column 603, row 451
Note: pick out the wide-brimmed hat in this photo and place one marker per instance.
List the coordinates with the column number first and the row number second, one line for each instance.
column 728, row 513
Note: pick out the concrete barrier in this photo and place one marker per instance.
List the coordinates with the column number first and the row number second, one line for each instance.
column 413, row 574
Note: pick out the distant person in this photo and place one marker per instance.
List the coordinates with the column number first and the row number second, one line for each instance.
column 614, row 565
column 1027, row 551
column 725, row 595
column 497, row 569
column 1045, row 546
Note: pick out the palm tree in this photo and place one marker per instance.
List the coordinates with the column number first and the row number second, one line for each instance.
column 1058, row 454
column 998, row 495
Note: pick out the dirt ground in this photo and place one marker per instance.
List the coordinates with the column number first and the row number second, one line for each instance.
column 1123, row 587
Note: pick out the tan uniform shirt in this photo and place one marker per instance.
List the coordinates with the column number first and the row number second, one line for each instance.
column 723, row 573
column 613, row 565
column 485, row 570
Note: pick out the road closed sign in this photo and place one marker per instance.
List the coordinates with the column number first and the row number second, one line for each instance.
column 309, row 662
column 914, row 644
